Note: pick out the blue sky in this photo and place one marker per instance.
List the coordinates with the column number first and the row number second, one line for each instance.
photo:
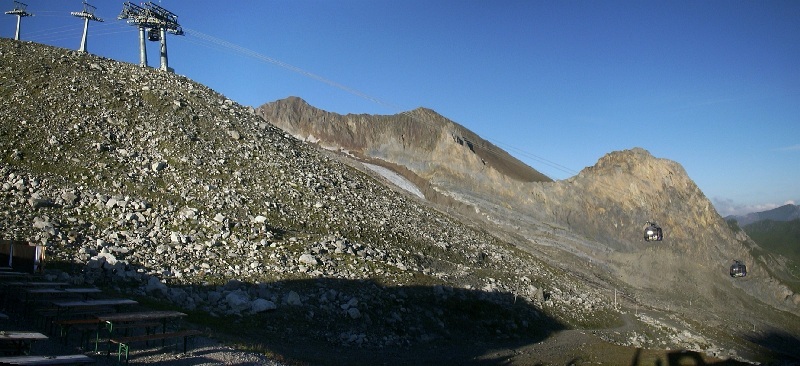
column 713, row 85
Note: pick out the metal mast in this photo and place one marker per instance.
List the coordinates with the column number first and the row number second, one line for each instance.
column 157, row 21
column 19, row 11
column 87, row 14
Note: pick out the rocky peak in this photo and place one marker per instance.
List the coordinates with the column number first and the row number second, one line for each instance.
column 427, row 148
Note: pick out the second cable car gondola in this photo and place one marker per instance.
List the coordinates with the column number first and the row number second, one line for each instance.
column 738, row 269
column 652, row 232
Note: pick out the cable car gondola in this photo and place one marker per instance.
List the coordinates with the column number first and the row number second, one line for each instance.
column 652, row 232
column 738, row 269
column 154, row 35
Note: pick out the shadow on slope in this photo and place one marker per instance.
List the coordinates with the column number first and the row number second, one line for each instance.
column 783, row 348
column 679, row 358
column 391, row 325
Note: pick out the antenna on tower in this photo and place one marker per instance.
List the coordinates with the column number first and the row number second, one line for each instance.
column 20, row 12
column 87, row 14
column 157, row 21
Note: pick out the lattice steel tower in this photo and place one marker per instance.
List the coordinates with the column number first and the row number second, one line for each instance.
column 157, row 21
column 19, row 11
column 87, row 14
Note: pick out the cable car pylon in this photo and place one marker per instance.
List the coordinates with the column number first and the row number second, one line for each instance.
column 157, row 21
column 20, row 12
column 86, row 14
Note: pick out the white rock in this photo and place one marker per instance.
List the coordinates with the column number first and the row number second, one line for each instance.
column 238, row 301
column 293, row 298
column 260, row 305
column 308, row 259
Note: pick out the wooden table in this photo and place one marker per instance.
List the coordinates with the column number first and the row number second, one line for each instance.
column 19, row 343
column 140, row 316
column 115, row 320
column 39, row 295
column 64, row 307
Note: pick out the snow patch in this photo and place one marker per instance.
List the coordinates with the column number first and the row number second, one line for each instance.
column 396, row 179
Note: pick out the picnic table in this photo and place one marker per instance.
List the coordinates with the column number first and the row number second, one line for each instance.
column 162, row 316
column 143, row 319
column 18, row 343
column 63, row 308
column 38, row 295
column 67, row 306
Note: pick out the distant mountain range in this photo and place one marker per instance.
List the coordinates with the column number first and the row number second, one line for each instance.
column 784, row 213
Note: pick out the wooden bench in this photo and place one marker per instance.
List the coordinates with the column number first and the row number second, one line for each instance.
column 47, row 360
column 124, row 342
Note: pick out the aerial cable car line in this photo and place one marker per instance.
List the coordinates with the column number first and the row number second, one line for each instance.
column 70, row 34
column 52, row 31
column 258, row 56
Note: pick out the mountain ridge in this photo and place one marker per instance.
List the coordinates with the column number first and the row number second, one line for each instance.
column 786, row 212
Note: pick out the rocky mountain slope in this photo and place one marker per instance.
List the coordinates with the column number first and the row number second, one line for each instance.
column 589, row 224
column 149, row 184
column 440, row 156
column 780, row 240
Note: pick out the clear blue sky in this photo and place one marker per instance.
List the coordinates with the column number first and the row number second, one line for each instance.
column 713, row 85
